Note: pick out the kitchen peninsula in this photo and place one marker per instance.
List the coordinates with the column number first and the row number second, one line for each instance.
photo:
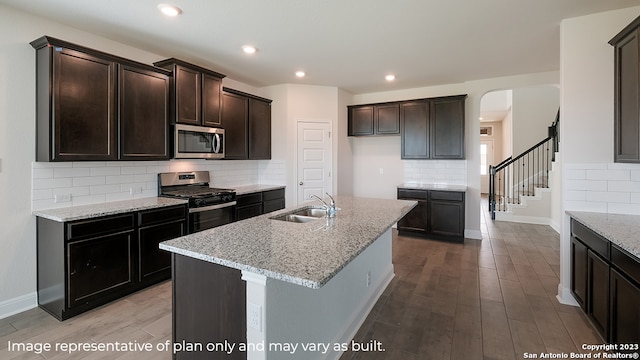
column 275, row 286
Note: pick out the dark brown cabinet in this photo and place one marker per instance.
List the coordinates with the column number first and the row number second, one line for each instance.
column 197, row 93
column 627, row 93
column 246, row 119
column 379, row 119
column 83, row 264
column 96, row 106
column 438, row 215
column 447, row 127
column 258, row 203
column 605, row 280
column 144, row 104
column 415, row 130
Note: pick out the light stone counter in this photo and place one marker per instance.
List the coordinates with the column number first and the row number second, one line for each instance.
column 621, row 230
column 248, row 189
column 431, row 186
column 110, row 208
column 307, row 254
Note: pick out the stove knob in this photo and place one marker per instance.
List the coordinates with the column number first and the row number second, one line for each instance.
column 198, row 202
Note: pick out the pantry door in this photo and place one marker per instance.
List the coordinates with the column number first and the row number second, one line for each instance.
column 315, row 159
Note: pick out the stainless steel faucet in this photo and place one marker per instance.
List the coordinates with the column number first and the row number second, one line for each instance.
column 331, row 208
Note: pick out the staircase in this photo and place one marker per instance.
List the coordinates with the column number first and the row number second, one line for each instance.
column 519, row 187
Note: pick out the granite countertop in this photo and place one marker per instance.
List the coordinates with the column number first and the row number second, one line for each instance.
column 432, row 186
column 110, row 208
column 307, row 254
column 621, row 230
column 248, row 189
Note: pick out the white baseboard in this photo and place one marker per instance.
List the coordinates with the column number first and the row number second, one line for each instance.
column 18, row 304
column 565, row 297
column 473, row 234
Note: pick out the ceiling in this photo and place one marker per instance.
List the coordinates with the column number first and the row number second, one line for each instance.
column 350, row 44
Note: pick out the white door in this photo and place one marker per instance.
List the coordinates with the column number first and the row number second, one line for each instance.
column 486, row 159
column 314, row 160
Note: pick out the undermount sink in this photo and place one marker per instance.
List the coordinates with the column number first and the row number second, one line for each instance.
column 303, row 215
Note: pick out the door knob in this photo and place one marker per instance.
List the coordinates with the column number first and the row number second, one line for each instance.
column 301, row 183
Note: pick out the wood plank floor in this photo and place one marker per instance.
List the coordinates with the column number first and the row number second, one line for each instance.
column 490, row 299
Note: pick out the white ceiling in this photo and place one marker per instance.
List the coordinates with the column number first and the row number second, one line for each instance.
column 350, row 44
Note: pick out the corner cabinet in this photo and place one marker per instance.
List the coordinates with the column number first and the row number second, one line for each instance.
column 83, row 264
column 627, row 93
column 246, row 120
column 95, row 106
column 439, row 214
column 196, row 93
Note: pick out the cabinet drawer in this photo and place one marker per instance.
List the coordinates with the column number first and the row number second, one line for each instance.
column 594, row 241
column 625, row 262
column 248, row 211
column 447, row 195
column 272, row 205
column 248, row 199
column 412, row 194
column 94, row 227
column 272, row 194
column 162, row 215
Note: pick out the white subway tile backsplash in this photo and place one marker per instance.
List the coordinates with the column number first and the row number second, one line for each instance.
column 635, row 175
column 608, row 196
column 585, row 166
column 596, row 185
column 575, row 174
column 585, row 206
column 98, row 182
column 630, row 209
column 576, row 195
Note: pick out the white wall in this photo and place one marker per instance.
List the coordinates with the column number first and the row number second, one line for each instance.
column 591, row 181
column 533, row 110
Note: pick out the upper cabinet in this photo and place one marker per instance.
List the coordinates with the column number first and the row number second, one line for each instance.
column 377, row 119
column 197, row 93
column 96, row 106
column 627, row 93
column 246, row 120
column 430, row 128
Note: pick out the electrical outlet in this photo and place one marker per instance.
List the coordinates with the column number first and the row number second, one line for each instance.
column 135, row 190
column 58, row 198
column 254, row 316
column 368, row 278
column 381, row 171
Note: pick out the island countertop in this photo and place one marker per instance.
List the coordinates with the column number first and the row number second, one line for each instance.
column 307, row 254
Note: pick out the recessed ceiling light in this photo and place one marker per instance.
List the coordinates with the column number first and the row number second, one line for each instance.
column 300, row 74
column 480, row 118
column 170, row 10
column 390, row 77
column 248, row 49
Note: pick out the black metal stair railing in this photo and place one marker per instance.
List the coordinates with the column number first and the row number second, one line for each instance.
column 519, row 176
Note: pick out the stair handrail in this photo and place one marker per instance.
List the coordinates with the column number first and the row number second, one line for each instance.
column 510, row 160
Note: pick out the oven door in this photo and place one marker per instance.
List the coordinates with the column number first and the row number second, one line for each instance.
column 198, row 142
column 208, row 217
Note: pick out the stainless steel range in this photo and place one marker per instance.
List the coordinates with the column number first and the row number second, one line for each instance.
column 208, row 207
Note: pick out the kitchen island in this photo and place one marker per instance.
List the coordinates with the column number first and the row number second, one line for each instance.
column 280, row 289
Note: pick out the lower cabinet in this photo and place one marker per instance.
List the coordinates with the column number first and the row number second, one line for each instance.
column 439, row 214
column 605, row 281
column 258, row 203
column 86, row 263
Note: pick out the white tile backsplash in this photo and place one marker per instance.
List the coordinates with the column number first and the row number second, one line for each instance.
column 609, row 188
column 99, row 182
column 452, row 172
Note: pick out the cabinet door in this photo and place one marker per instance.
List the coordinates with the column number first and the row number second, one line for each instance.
column 84, row 122
column 235, row 123
column 414, row 130
column 627, row 93
column 259, row 129
column 99, row 266
column 446, row 218
column 360, row 119
column 144, row 124
column 598, row 293
column 625, row 312
column 579, row 272
column 416, row 219
column 447, row 129
column 187, row 95
column 387, row 119
column 211, row 100
column 155, row 263
column 248, row 211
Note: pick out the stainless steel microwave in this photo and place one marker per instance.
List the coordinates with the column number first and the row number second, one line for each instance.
column 198, row 142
